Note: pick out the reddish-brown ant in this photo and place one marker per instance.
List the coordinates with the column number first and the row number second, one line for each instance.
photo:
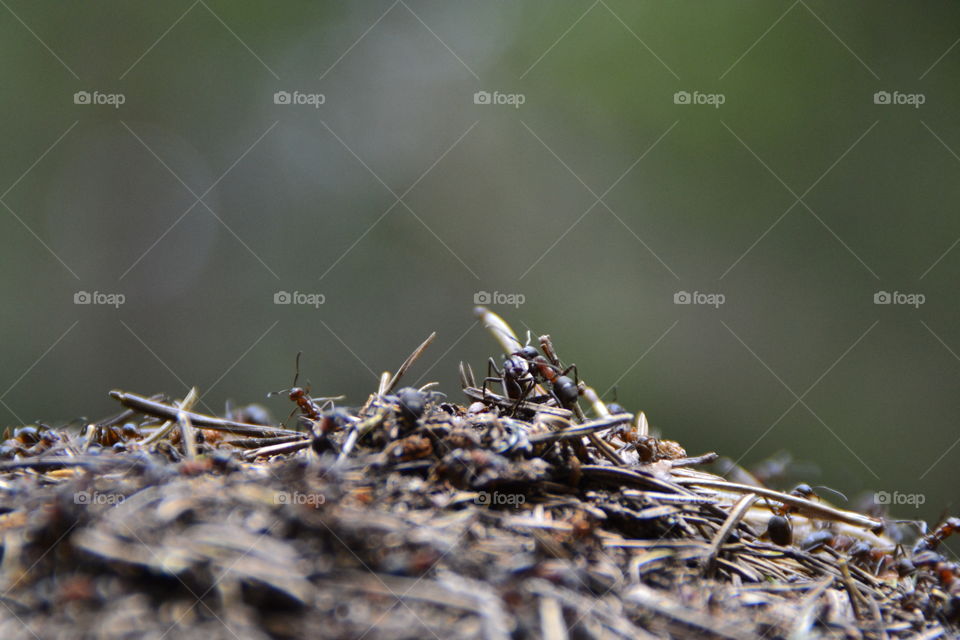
column 932, row 540
column 565, row 390
column 308, row 406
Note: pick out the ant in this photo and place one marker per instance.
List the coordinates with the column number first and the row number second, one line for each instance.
column 526, row 367
column 779, row 527
column 519, row 374
column 931, row 541
column 565, row 390
column 307, row 405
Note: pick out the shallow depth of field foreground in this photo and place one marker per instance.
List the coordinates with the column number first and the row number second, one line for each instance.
column 519, row 506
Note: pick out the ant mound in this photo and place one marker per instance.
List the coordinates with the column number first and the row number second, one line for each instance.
column 529, row 509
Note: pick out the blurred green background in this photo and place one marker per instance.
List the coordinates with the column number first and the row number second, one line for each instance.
column 598, row 199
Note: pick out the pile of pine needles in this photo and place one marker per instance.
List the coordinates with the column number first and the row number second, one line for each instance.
column 516, row 514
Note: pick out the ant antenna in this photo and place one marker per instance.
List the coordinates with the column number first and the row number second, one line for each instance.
column 296, row 376
column 820, row 486
column 613, row 390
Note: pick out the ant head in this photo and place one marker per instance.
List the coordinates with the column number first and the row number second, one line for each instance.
column 296, row 393
column 804, row 490
column 515, row 366
column 615, row 408
column 527, row 352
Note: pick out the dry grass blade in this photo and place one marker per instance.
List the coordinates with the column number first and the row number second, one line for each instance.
column 409, row 363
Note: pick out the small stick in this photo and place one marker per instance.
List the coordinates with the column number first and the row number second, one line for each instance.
column 152, row 408
column 501, row 401
column 186, row 433
column 253, row 443
column 804, row 506
column 847, row 580
column 351, row 440
column 736, row 515
column 285, row 447
column 581, row 430
column 409, row 362
column 605, row 449
column 187, row 403
column 124, row 415
column 706, row 458
column 384, row 383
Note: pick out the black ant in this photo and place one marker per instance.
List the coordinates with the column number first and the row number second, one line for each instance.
column 615, row 407
column 779, row 527
column 412, row 404
column 526, row 367
column 519, row 374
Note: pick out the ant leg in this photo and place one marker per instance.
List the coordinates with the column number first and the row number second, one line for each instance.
column 524, row 392
column 576, row 375
column 484, row 385
column 492, row 368
column 493, row 375
column 283, row 424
